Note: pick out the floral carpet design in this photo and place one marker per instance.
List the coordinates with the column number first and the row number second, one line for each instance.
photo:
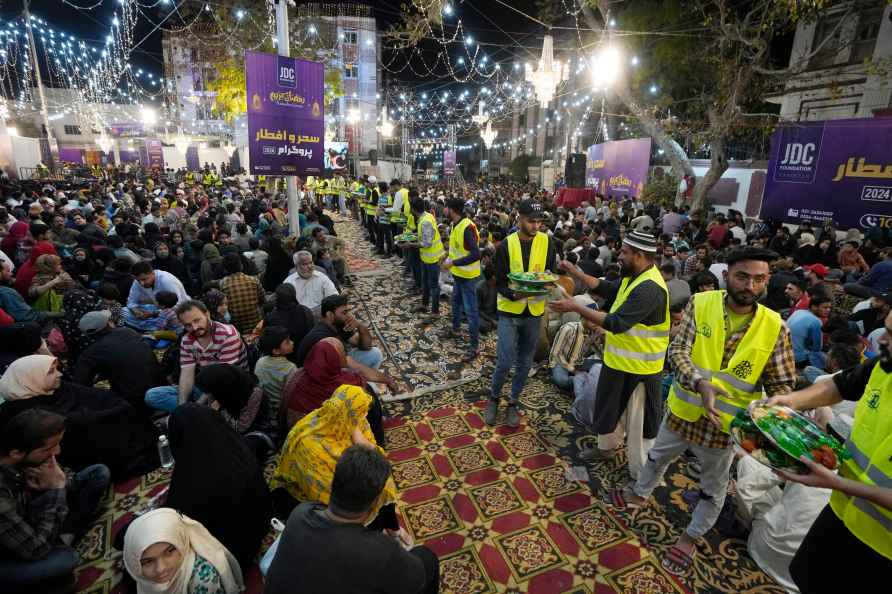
column 494, row 503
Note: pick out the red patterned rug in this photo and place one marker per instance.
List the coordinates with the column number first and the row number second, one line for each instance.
column 497, row 507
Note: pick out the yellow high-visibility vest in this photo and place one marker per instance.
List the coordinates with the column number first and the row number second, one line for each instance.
column 641, row 349
column 371, row 205
column 457, row 250
column 870, row 445
column 538, row 257
column 741, row 376
column 435, row 252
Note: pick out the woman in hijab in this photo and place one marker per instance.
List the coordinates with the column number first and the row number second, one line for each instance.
column 240, row 400
column 166, row 552
column 20, row 340
column 25, row 274
column 198, row 434
column 15, row 240
column 168, row 262
column 215, row 300
column 101, row 427
column 324, row 371
column 313, row 447
column 211, row 264
column 278, row 266
column 152, row 235
column 75, row 304
column 83, row 267
column 50, row 284
column 287, row 312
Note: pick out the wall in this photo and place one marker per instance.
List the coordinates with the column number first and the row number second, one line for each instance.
column 740, row 187
column 25, row 152
column 213, row 156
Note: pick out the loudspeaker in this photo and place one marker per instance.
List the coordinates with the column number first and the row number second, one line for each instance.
column 373, row 157
column 574, row 172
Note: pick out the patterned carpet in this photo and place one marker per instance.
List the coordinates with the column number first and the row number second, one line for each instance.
column 495, row 504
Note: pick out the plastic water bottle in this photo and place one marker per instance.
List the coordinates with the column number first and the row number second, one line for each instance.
column 164, row 453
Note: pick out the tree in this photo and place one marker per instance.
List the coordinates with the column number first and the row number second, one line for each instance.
column 735, row 73
column 229, row 85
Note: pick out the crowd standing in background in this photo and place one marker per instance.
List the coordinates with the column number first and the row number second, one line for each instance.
column 150, row 315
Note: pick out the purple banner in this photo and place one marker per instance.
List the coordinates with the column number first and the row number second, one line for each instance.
column 129, row 155
column 286, row 127
column 839, row 170
column 193, row 163
column 448, row 163
column 71, row 155
column 155, row 153
column 127, row 130
column 618, row 168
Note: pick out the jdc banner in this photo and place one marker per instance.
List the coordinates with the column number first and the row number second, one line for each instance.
column 618, row 168
column 286, row 128
column 154, row 153
column 448, row 163
column 839, row 170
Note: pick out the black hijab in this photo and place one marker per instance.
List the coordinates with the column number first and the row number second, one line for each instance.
column 230, row 385
column 217, row 480
column 18, row 340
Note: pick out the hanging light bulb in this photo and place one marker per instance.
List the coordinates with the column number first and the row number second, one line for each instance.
column 489, row 134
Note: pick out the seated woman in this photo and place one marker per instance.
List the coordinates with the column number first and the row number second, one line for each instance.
column 198, row 434
column 311, row 452
column 101, row 427
column 50, row 284
column 241, row 402
column 169, row 553
column 324, row 371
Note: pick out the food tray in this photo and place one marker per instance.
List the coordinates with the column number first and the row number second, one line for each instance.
column 765, row 452
column 797, row 435
column 533, row 278
column 528, row 289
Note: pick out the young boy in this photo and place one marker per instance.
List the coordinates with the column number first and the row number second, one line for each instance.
column 273, row 369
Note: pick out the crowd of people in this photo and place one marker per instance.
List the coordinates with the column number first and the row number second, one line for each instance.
column 146, row 316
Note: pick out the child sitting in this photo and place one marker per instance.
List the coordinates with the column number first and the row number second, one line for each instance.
column 273, row 369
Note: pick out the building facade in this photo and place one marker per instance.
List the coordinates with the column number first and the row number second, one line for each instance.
column 842, row 66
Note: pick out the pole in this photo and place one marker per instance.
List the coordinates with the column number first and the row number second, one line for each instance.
column 36, row 66
column 284, row 47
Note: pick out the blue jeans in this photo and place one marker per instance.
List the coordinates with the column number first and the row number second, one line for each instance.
column 464, row 298
column 166, row 398
column 54, row 572
column 430, row 286
column 370, row 358
column 562, row 378
column 517, row 345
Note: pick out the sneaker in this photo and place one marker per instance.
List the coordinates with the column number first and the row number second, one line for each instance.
column 492, row 409
column 596, row 455
column 512, row 419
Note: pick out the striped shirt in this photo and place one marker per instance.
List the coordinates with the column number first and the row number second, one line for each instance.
column 226, row 346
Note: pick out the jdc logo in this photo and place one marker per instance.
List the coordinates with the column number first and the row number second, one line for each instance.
column 286, row 72
column 798, row 153
column 793, row 212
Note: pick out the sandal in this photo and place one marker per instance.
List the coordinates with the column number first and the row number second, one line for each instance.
column 620, row 499
column 677, row 561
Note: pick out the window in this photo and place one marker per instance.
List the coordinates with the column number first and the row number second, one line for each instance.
column 72, row 130
column 866, row 34
column 826, row 28
column 351, row 37
column 351, row 71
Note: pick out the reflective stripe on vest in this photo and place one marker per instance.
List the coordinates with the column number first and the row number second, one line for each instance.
column 371, row 207
column 457, row 250
column 641, row 350
column 538, row 257
column 871, row 447
column 435, row 252
column 741, row 376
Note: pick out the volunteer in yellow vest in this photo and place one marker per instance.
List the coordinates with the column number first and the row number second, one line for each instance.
column 629, row 394
column 371, row 208
column 727, row 351
column 464, row 264
column 431, row 252
column 384, row 245
column 411, row 256
column 341, row 188
column 525, row 250
column 854, row 532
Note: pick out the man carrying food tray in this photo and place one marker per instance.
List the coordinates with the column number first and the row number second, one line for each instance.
column 729, row 349
column 527, row 250
column 628, row 400
column 854, row 532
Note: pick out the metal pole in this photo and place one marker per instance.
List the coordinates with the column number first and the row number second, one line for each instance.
column 284, row 47
column 39, row 80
